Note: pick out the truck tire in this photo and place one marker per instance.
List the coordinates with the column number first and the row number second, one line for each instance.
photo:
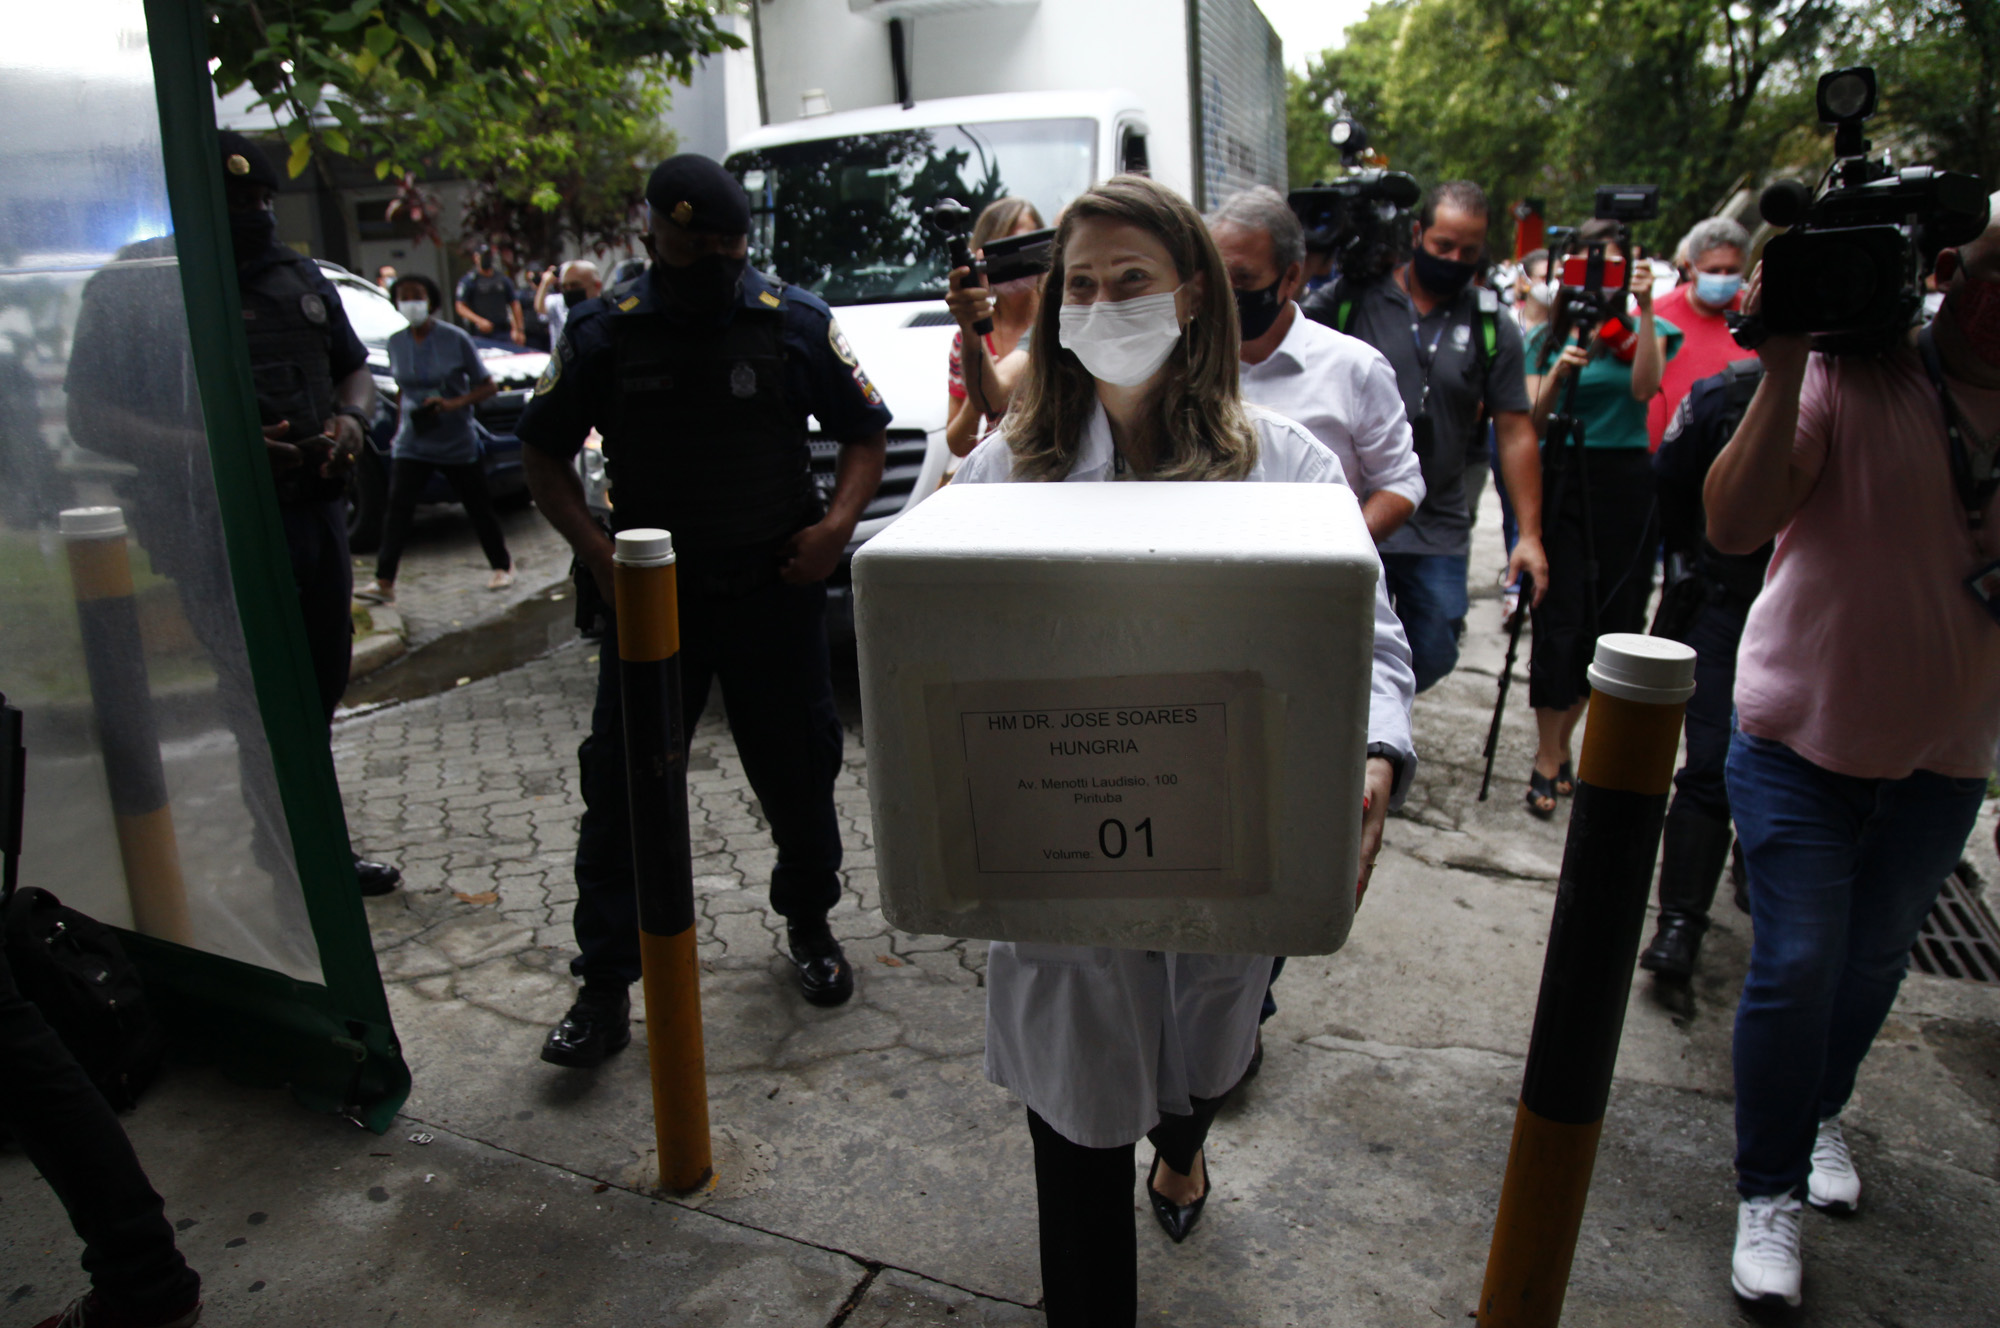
column 367, row 501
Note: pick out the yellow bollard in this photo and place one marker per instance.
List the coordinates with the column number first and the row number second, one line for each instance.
column 100, row 571
column 1639, row 689
column 649, row 677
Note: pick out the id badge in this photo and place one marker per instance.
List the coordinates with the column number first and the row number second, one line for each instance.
column 1423, row 437
column 1985, row 587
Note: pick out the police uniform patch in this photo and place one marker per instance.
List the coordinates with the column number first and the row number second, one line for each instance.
column 683, row 212
column 238, row 164
column 769, row 299
column 743, row 380
column 628, row 304
column 868, row 391
column 313, row 307
column 550, row 372
column 838, row 340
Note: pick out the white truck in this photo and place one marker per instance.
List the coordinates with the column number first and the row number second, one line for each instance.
column 1048, row 98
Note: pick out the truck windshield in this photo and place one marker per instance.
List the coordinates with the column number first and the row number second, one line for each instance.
column 844, row 217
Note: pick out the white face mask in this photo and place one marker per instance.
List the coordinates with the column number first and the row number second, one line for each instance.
column 415, row 312
column 1123, row 342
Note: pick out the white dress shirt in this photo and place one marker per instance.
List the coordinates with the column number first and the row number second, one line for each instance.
column 1100, row 1042
column 1344, row 392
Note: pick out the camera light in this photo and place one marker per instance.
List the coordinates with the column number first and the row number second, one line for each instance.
column 1342, row 131
column 1847, row 94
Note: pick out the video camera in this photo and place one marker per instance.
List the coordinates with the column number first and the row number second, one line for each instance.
column 1352, row 216
column 1007, row 259
column 1594, row 284
column 1849, row 269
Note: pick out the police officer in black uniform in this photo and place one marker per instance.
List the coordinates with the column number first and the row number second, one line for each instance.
column 315, row 396
column 1705, row 607
column 699, row 374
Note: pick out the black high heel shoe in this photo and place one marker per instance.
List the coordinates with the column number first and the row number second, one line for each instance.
column 1177, row 1221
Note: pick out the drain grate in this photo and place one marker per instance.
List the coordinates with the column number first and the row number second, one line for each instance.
column 1960, row 938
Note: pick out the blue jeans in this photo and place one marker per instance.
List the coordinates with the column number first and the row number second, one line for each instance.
column 1842, row 873
column 1428, row 591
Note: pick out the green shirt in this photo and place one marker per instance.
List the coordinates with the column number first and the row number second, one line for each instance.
column 1604, row 403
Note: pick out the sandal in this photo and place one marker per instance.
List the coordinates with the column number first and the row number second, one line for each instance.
column 1541, row 787
column 1565, row 781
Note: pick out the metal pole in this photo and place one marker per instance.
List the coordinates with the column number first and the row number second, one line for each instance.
column 1639, row 689
column 114, row 657
column 649, row 679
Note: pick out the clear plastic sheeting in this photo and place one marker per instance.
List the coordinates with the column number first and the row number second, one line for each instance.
column 151, row 798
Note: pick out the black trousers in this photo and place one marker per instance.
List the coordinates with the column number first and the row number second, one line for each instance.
column 1716, row 632
column 316, row 536
column 1618, row 490
column 70, row 1133
column 767, row 648
column 407, row 479
column 1083, row 1198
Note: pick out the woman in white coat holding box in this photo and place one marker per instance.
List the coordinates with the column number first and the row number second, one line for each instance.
column 1140, row 382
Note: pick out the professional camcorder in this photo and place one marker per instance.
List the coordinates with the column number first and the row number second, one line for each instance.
column 1352, row 217
column 1594, row 284
column 1850, row 268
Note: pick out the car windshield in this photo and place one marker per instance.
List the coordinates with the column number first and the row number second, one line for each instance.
column 372, row 313
column 844, row 217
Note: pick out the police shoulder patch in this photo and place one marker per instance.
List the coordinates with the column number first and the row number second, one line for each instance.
column 551, row 371
column 838, row 340
column 313, row 307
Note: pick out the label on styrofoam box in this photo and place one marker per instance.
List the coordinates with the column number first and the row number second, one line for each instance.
column 1145, row 786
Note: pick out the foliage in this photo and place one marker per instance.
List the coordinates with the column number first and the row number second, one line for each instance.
column 1549, row 98
column 548, row 106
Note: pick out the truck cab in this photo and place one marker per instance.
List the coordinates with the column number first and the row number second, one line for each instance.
column 838, row 206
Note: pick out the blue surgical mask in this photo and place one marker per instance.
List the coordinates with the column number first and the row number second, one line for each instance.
column 1717, row 289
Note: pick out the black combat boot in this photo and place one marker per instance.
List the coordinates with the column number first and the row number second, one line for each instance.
column 1696, row 849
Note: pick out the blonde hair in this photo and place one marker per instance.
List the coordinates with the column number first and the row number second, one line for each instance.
column 1195, row 416
column 998, row 219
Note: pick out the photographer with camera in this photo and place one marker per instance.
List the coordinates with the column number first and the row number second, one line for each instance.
column 1455, row 354
column 1341, row 389
column 1868, row 704
column 1716, row 252
column 983, row 380
column 1593, row 371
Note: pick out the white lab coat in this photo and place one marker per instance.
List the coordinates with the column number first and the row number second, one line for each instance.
column 1100, row 1042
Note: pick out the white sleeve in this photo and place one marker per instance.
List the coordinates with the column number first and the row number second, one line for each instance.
column 1392, row 687
column 991, row 462
column 1383, row 449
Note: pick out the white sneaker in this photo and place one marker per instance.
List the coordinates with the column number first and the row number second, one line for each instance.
column 1767, row 1266
column 1833, row 1186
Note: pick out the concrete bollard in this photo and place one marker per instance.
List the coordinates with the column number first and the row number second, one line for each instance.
column 1639, row 689
column 100, row 570
column 649, row 678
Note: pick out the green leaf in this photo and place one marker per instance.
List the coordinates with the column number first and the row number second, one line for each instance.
column 365, row 63
column 381, row 170
column 336, row 140
column 414, row 29
column 301, row 156
column 380, row 39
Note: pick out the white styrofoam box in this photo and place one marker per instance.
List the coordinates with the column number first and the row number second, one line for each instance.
column 1128, row 714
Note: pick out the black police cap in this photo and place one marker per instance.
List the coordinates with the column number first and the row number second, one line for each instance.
column 243, row 162
column 696, row 194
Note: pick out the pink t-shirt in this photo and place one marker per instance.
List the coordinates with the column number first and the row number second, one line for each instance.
column 1866, row 654
column 1706, row 348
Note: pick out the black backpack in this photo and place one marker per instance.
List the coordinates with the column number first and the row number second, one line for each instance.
column 69, row 964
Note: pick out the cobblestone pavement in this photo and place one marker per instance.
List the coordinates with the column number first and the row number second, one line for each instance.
column 441, row 585
column 1355, row 1178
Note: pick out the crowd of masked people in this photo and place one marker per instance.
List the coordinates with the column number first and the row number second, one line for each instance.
column 1848, row 700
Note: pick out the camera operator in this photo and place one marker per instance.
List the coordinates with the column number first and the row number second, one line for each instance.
column 1340, row 388
column 1453, row 353
column 1715, row 251
column 982, row 381
column 1868, row 704
column 1600, row 510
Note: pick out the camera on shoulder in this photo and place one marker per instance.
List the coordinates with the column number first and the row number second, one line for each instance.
column 1353, row 215
column 1849, row 268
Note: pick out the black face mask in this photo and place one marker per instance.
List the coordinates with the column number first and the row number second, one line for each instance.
column 572, row 297
column 1442, row 277
column 1257, row 310
column 702, row 289
column 251, row 233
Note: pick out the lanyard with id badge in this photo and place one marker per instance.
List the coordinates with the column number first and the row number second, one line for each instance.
column 1973, row 473
column 1423, row 432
